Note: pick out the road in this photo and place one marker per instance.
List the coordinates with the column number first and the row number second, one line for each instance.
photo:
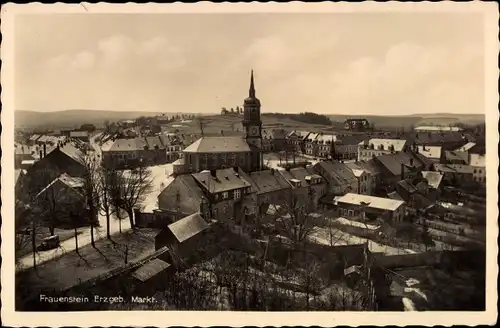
column 161, row 178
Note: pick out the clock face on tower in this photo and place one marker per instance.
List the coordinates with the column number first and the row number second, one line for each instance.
column 254, row 131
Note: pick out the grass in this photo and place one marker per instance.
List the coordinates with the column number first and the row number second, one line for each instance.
column 73, row 268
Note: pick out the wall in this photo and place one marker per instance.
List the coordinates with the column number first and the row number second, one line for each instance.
column 156, row 219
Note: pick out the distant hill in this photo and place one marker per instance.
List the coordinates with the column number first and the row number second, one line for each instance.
column 75, row 117
column 407, row 121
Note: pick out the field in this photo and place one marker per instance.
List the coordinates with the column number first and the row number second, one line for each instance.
column 74, row 118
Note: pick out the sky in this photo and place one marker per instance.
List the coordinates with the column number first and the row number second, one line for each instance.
column 330, row 63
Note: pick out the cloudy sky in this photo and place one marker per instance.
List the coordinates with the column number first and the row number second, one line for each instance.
column 364, row 63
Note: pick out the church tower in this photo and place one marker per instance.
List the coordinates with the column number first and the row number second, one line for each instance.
column 252, row 125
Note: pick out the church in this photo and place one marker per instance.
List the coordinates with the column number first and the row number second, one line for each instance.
column 214, row 153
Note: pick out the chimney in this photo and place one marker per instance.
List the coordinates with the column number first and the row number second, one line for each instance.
column 44, row 150
column 213, row 173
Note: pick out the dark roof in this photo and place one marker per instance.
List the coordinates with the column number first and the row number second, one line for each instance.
column 127, row 145
column 182, row 194
column 218, row 145
column 394, row 195
column 454, row 168
column 69, row 150
column 188, row 227
column 454, row 155
column 268, row 181
column 392, row 162
column 434, row 137
column 224, row 180
column 338, row 171
column 300, row 173
column 154, row 141
column 408, row 186
column 150, row 269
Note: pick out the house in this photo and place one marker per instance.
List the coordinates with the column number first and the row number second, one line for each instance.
column 432, row 153
column 310, row 144
column 356, row 124
column 355, row 205
column 372, row 170
column 271, row 188
column 80, row 135
column 62, row 159
column 325, row 144
column 446, row 140
column 212, row 153
column 155, row 152
column 414, row 192
column 183, row 237
column 63, row 201
column 122, row 153
column 433, row 179
column 455, row 173
column 32, row 140
column 346, row 146
column 224, row 189
column 296, row 139
column 478, row 164
column 173, row 147
column 456, row 157
column 306, row 182
column 340, row 178
column 376, row 147
column 180, row 198
column 428, row 128
column 397, row 167
column 273, row 139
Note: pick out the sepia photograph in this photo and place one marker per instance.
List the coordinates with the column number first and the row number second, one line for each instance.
column 252, row 160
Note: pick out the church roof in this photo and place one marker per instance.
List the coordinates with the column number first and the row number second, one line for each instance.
column 218, row 145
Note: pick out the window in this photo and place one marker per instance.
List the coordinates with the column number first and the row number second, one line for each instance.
column 475, row 171
column 214, row 212
column 237, row 194
column 350, row 213
column 214, row 157
column 225, row 195
column 224, row 209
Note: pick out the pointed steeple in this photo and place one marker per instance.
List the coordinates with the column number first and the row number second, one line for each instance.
column 251, row 93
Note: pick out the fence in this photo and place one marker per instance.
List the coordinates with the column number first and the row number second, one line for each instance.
column 155, row 219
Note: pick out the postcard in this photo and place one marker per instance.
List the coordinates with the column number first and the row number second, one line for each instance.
column 258, row 164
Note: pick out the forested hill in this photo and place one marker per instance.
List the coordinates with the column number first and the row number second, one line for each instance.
column 306, row 117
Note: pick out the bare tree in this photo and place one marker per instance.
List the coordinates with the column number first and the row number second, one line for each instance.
column 201, row 123
column 130, row 189
column 106, row 179
column 295, row 221
column 92, row 191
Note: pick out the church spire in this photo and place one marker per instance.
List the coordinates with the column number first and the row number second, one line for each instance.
column 251, row 93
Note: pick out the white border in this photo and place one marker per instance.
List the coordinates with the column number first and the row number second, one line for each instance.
column 192, row 318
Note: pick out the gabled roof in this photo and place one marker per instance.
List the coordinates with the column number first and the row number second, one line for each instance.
column 218, row 145
column 76, row 134
column 34, row 137
column 224, row 180
column 188, row 227
column 150, row 269
column 326, row 138
column 301, row 173
column 392, row 162
column 152, row 142
column 454, row 168
column 337, row 171
column 183, row 194
column 433, row 178
column 71, row 151
column 120, row 145
column 371, row 201
column 466, row 147
column 65, row 180
column 439, row 128
column 394, row 195
column 398, row 144
column 451, row 155
column 268, row 181
column 407, row 186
